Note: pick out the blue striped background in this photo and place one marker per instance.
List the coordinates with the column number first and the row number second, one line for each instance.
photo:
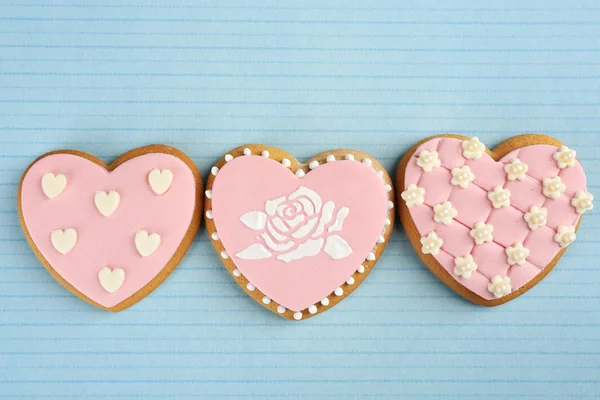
column 105, row 76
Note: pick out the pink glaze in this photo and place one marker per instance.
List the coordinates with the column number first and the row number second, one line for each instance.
column 247, row 182
column 473, row 205
column 108, row 241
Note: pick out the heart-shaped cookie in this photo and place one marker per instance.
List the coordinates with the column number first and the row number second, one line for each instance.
column 111, row 234
column 296, row 237
column 491, row 224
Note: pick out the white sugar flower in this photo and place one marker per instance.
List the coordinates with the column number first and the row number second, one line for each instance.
column 482, row 232
column 431, row 244
column 517, row 254
column 536, row 217
column 500, row 197
column 565, row 235
column 583, row 201
column 428, row 160
column 413, row 195
column 473, row 149
column 443, row 213
column 515, row 169
column 462, row 176
column 564, row 157
column 464, row 266
column 499, row 286
column 553, row 187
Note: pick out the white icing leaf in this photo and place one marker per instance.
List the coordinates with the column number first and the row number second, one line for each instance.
column 255, row 220
column 307, row 249
column 339, row 220
column 255, row 251
column 337, row 248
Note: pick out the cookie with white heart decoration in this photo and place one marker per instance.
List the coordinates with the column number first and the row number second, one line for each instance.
column 111, row 233
column 298, row 238
column 515, row 209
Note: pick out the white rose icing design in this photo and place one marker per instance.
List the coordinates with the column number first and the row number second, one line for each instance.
column 462, row 176
column 444, row 213
column 553, row 187
column 431, row 244
column 413, row 195
column 473, row 149
column 564, row 157
column 515, row 170
column 517, row 254
column 482, row 232
column 464, row 266
column 428, row 160
column 583, row 201
column 536, row 217
column 500, row 197
column 565, row 235
column 297, row 226
column 500, row 286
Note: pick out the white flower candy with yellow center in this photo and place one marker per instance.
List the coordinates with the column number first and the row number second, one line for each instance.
column 517, row 254
column 553, row 187
column 413, row 195
column 536, row 217
column 515, row 170
column 500, row 197
column 565, row 235
column 444, row 213
column 473, row 149
column 482, row 232
column 564, row 157
column 499, row 286
column 464, row 266
column 431, row 244
column 583, row 201
column 428, row 160
column 462, row 176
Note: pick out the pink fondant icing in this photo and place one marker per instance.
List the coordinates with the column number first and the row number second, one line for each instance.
column 246, row 183
column 473, row 205
column 108, row 241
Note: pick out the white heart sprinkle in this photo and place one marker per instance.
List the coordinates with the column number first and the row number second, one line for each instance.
column 53, row 185
column 111, row 279
column 146, row 244
column 160, row 181
column 64, row 240
column 107, row 203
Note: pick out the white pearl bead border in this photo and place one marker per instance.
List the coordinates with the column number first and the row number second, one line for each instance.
column 338, row 292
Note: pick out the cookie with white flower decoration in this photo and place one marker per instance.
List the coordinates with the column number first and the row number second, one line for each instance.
column 491, row 224
column 299, row 237
column 111, row 233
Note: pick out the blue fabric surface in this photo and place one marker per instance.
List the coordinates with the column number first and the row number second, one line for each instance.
column 106, row 76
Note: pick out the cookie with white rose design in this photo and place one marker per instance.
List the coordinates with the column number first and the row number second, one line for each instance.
column 491, row 224
column 298, row 238
column 111, row 233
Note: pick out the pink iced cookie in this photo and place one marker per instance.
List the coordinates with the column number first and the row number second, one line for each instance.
column 298, row 238
column 111, row 234
column 491, row 224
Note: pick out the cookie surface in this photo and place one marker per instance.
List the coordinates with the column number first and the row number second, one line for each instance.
column 491, row 224
column 111, row 233
column 296, row 237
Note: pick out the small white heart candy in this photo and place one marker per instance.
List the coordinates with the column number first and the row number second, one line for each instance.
column 107, row 203
column 111, row 279
column 146, row 244
column 160, row 181
column 53, row 185
column 64, row 240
